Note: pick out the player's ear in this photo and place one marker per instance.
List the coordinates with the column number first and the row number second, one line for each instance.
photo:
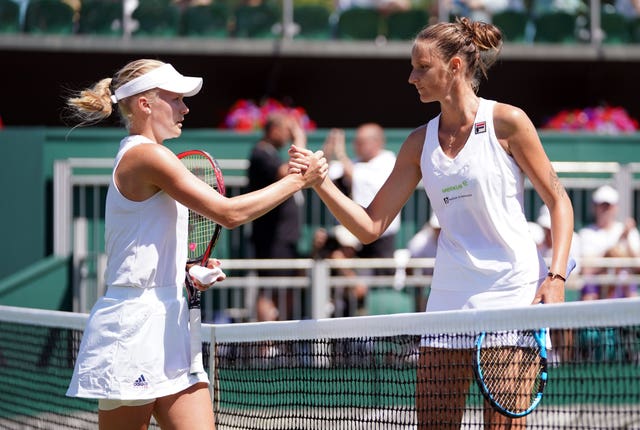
column 455, row 64
column 143, row 104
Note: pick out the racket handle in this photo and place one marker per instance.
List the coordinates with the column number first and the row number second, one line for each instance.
column 195, row 336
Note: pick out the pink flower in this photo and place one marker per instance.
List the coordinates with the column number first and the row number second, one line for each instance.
column 600, row 119
column 246, row 116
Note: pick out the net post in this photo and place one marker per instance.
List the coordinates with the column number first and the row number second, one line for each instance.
column 320, row 275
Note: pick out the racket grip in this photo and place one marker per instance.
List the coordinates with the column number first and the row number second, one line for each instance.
column 195, row 338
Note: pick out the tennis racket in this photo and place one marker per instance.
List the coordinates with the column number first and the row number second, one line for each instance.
column 203, row 235
column 511, row 368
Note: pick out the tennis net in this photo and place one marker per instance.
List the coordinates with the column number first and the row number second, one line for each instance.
column 346, row 373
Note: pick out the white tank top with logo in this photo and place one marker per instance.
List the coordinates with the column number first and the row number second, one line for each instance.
column 485, row 244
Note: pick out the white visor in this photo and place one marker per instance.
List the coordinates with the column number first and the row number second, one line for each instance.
column 164, row 77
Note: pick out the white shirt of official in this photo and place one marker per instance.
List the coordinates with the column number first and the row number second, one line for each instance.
column 368, row 178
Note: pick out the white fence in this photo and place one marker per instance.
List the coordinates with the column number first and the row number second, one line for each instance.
column 80, row 188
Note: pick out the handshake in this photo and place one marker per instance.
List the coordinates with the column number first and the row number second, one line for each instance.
column 312, row 166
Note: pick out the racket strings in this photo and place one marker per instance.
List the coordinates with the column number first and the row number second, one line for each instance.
column 200, row 231
column 512, row 375
column 201, row 228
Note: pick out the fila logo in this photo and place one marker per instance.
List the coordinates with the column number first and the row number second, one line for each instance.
column 480, row 127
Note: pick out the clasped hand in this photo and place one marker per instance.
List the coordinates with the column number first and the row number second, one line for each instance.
column 311, row 165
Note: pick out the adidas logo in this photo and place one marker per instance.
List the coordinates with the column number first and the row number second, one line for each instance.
column 141, row 382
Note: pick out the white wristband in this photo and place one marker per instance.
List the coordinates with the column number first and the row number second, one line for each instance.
column 204, row 275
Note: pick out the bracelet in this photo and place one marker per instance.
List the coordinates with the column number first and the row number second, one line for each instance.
column 556, row 276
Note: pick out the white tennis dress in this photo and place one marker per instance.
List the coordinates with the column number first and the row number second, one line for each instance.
column 486, row 257
column 136, row 343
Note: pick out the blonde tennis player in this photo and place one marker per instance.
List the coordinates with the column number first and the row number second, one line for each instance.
column 472, row 159
column 134, row 355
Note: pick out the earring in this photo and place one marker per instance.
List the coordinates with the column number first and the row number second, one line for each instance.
column 149, row 111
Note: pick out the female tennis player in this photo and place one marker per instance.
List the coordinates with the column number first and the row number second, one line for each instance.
column 134, row 355
column 472, row 159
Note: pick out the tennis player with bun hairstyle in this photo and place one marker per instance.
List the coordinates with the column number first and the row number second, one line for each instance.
column 472, row 159
column 135, row 356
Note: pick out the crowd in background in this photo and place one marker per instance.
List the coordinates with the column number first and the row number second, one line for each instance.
column 361, row 174
column 130, row 22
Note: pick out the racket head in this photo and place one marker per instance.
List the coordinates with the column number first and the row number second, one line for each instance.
column 203, row 232
column 511, row 370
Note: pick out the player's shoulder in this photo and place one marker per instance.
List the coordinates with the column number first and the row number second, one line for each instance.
column 414, row 141
column 148, row 152
column 508, row 113
column 508, row 119
column 417, row 135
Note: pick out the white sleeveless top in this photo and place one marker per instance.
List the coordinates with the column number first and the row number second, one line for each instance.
column 146, row 241
column 136, row 342
column 485, row 244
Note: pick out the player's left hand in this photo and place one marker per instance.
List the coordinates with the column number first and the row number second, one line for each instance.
column 551, row 291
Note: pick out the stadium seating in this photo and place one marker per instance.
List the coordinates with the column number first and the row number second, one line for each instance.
column 634, row 26
column 9, row 16
column 255, row 21
column 384, row 301
column 101, row 17
column 359, row 24
column 556, row 27
column 615, row 26
column 513, row 24
column 405, row 25
column 49, row 17
column 313, row 21
column 205, row 21
column 157, row 18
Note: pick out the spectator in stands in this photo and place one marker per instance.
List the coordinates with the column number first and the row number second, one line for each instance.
column 573, row 7
column 363, row 176
column 562, row 339
column 545, row 242
column 134, row 355
column 608, row 237
column 183, row 4
column 276, row 234
column 424, row 245
column 473, row 159
column 628, row 8
column 384, row 6
column 340, row 243
column 483, row 10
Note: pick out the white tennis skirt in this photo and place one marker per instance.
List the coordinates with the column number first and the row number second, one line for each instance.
column 447, row 300
column 135, row 346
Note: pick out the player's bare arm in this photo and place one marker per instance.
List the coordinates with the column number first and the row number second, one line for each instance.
column 165, row 171
column 368, row 224
column 519, row 136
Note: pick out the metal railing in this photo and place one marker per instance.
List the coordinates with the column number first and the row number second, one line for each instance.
column 319, row 293
column 79, row 192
